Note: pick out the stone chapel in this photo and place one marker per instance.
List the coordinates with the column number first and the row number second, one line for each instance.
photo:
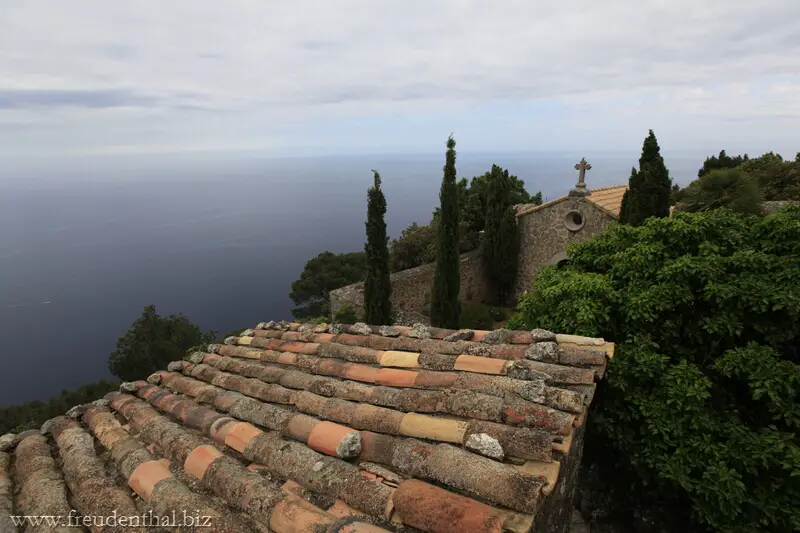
column 545, row 231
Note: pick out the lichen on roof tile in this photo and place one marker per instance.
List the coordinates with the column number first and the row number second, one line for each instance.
column 375, row 427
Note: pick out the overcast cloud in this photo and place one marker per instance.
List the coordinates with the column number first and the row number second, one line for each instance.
column 99, row 76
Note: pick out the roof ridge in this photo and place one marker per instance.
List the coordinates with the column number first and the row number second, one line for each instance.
column 526, row 209
column 608, row 188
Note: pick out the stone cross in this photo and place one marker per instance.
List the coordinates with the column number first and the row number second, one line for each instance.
column 582, row 167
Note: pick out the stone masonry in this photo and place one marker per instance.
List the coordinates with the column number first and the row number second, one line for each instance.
column 545, row 232
column 411, row 289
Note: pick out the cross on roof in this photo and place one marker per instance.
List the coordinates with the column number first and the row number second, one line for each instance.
column 582, row 167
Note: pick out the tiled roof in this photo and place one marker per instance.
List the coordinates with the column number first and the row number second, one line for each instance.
column 607, row 198
column 316, row 428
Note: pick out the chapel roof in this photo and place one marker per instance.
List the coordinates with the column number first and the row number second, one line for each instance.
column 342, row 428
column 607, row 198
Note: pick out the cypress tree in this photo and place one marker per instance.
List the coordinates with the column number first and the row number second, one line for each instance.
column 648, row 188
column 500, row 238
column 445, row 303
column 377, row 286
column 630, row 202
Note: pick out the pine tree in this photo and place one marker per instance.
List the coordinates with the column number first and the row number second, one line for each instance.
column 723, row 161
column 649, row 187
column 152, row 341
column 500, row 238
column 377, row 286
column 445, row 303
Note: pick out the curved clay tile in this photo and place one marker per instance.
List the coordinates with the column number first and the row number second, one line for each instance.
column 152, row 479
column 337, row 429
column 42, row 492
column 94, row 493
column 226, row 477
column 6, row 496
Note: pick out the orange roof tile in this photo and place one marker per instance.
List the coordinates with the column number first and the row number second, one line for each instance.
column 609, row 198
column 340, row 428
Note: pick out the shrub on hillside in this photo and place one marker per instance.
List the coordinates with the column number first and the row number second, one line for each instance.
column 699, row 409
column 476, row 316
column 316, row 321
column 322, row 274
column 152, row 342
column 416, row 246
column 232, row 333
column 731, row 188
column 779, row 179
column 31, row 415
column 346, row 315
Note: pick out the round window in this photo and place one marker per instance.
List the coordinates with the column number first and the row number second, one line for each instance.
column 574, row 220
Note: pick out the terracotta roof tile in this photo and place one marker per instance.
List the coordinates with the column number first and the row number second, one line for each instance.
column 607, row 198
column 6, row 494
column 150, row 477
column 41, row 486
column 94, row 493
column 432, row 509
column 292, row 427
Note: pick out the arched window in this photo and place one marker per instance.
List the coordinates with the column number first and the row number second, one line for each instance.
column 558, row 259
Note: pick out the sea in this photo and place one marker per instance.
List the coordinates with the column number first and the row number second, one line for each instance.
column 87, row 242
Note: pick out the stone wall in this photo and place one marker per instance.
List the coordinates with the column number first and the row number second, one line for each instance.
column 411, row 289
column 775, row 205
column 544, row 235
column 555, row 512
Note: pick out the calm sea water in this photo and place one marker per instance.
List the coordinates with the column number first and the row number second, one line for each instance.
column 85, row 244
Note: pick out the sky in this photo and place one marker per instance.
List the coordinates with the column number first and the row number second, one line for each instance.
column 99, row 77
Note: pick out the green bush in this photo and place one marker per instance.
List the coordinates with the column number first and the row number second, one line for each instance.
column 317, row 320
column 699, row 409
column 152, row 342
column 416, row 246
column 346, row 315
column 500, row 313
column 518, row 322
column 221, row 338
column 203, row 347
column 322, row 274
column 476, row 316
column 728, row 187
column 31, row 415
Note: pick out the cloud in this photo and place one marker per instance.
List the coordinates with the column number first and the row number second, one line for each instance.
column 194, row 72
column 98, row 99
column 784, row 88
